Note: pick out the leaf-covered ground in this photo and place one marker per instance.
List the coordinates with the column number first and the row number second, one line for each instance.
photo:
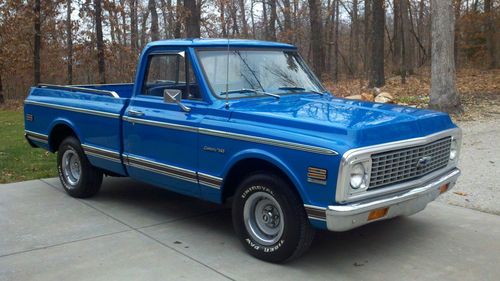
column 479, row 91
column 18, row 161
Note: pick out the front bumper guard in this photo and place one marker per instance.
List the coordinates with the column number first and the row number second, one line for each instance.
column 346, row 217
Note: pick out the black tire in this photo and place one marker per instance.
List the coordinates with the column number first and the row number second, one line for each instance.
column 297, row 233
column 90, row 178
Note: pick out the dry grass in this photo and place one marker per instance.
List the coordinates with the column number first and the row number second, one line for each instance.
column 479, row 91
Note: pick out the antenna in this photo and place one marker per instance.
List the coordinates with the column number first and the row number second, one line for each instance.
column 227, row 75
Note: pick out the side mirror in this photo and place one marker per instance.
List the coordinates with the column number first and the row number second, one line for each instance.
column 174, row 96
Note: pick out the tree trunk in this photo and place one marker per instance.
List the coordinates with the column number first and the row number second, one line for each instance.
column 243, row 16
column 264, row 19
column 377, row 78
column 178, row 19
column 164, row 15
column 234, row 18
column 396, row 37
column 143, row 32
column 155, row 32
column 367, row 38
column 272, row 20
column 336, row 57
column 192, row 19
column 134, row 28
column 99, row 41
column 2, row 99
column 458, row 4
column 287, row 15
column 316, row 37
column 69, row 31
column 443, row 95
column 37, row 44
column 124, row 21
column 490, row 34
column 354, row 39
column 222, row 10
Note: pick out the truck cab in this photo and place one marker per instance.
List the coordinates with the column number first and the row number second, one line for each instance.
column 248, row 123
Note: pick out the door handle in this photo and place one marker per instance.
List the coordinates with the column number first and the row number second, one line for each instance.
column 132, row 112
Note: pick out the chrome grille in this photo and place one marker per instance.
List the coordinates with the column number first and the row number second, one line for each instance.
column 408, row 163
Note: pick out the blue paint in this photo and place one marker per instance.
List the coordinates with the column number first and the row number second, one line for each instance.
column 309, row 119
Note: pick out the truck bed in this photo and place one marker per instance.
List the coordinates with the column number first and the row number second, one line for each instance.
column 92, row 111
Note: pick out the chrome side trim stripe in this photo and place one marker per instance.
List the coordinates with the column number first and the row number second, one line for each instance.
column 160, row 124
column 101, row 153
column 315, row 212
column 274, row 142
column 74, row 109
column 168, row 170
column 242, row 137
column 37, row 137
column 209, row 180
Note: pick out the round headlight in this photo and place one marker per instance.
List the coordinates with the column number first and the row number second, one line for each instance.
column 357, row 176
column 453, row 150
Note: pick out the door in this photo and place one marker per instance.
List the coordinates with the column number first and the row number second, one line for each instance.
column 161, row 138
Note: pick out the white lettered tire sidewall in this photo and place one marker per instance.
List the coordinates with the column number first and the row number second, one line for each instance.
column 291, row 242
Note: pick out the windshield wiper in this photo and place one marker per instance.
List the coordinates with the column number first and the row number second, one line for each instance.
column 300, row 89
column 243, row 90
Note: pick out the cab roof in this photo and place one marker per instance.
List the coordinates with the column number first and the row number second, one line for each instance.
column 220, row 42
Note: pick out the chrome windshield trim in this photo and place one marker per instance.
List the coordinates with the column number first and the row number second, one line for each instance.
column 274, row 142
column 160, row 124
column 74, row 109
column 342, row 194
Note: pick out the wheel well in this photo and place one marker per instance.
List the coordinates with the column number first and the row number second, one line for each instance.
column 58, row 134
column 245, row 167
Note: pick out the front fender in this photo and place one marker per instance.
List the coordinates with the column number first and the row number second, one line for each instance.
column 271, row 158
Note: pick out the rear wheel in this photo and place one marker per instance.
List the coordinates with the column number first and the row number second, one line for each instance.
column 78, row 177
column 270, row 220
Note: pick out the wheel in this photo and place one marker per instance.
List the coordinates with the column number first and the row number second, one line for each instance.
column 78, row 177
column 270, row 220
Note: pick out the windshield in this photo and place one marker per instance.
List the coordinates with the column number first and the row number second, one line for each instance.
column 256, row 72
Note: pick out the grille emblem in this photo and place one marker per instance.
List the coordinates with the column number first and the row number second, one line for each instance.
column 424, row 161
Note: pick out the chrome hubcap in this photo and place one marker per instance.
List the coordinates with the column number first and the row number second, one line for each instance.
column 263, row 218
column 71, row 167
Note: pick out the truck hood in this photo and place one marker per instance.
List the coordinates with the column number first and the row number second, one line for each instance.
column 356, row 123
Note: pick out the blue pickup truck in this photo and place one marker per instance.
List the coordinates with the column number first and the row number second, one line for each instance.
column 247, row 123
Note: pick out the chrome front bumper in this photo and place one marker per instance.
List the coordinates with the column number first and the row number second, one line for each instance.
column 345, row 217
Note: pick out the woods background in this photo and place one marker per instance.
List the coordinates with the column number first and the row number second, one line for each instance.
column 366, row 41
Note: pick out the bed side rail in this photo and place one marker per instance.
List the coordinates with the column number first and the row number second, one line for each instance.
column 79, row 89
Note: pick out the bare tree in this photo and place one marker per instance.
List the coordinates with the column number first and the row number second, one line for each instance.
column 155, row 31
column 377, row 78
column 444, row 94
column 354, row 39
column 336, row 40
column 37, row 44
column 243, row 18
column 192, row 18
column 69, row 31
column 272, row 20
column 134, row 28
column 316, row 37
column 99, row 41
column 490, row 34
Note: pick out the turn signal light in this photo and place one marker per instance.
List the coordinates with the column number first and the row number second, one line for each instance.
column 379, row 213
column 443, row 188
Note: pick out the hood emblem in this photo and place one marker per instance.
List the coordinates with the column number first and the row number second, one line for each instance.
column 424, row 161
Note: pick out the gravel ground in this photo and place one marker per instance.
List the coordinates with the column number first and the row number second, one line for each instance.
column 478, row 188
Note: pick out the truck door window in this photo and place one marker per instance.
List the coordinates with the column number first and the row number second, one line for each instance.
column 168, row 71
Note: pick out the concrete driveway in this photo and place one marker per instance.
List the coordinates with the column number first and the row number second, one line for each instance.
column 132, row 231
